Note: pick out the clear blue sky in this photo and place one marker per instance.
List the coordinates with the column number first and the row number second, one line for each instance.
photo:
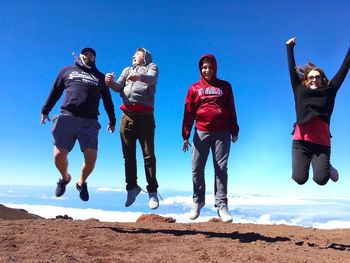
column 248, row 40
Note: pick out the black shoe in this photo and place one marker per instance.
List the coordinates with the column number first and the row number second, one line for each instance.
column 83, row 192
column 61, row 186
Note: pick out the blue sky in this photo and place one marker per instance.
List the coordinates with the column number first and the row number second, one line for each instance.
column 248, row 40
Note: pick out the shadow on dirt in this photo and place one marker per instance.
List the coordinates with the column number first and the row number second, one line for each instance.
column 242, row 237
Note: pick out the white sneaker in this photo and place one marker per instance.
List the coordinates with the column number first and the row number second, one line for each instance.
column 334, row 175
column 224, row 214
column 196, row 209
column 153, row 200
column 132, row 194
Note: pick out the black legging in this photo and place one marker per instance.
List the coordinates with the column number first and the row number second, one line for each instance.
column 304, row 153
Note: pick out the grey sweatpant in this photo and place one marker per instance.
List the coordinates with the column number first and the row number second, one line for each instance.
column 219, row 143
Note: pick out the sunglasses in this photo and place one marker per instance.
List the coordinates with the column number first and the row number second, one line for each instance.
column 318, row 77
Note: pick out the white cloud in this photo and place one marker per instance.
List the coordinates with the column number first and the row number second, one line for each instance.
column 109, row 189
column 265, row 220
column 248, row 200
column 175, row 200
column 11, row 194
column 52, row 197
column 270, row 209
column 245, row 208
column 78, row 213
column 186, row 201
column 255, row 200
column 332, row 224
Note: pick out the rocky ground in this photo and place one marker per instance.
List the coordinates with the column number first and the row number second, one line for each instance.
column 28, row 238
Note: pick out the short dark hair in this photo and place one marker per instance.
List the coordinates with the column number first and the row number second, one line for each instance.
column 206, row 60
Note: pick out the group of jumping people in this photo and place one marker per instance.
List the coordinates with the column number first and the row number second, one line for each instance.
column 209, row 105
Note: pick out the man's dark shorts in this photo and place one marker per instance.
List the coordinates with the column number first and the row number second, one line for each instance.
column 67, row 129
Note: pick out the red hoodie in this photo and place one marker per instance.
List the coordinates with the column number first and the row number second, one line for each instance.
column 211, row 104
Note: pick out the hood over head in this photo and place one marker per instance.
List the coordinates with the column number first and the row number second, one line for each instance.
column 147, row 57
column 78, row 61
column 214, row 65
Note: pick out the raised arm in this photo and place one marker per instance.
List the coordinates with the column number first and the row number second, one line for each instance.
column 150, row 77
column 338, row 79
column 120, row 83
column 294, row 77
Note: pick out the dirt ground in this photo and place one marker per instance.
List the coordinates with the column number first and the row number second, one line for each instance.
column 157, row 239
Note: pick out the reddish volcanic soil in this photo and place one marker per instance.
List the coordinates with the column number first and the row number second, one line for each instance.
column 157, row 239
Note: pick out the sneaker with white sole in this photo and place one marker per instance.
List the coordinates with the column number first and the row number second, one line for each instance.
column 334, row 175
column 224, row 214
column 132, row 194
column 196, row 210
column 153, row 200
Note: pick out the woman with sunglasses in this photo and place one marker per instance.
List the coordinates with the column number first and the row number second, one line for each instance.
column 314, row 97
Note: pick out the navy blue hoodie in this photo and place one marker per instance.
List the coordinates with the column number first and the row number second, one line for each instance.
column 84, row 87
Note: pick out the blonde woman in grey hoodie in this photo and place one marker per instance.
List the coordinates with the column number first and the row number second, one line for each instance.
column 137, row 86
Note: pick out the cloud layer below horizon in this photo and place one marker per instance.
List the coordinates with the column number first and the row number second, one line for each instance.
column 245, row 208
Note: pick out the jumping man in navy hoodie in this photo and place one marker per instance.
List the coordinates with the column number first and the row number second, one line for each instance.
column 84, row 85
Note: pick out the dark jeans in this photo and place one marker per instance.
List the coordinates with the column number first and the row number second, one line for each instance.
column 135, row 127
column 304, row 153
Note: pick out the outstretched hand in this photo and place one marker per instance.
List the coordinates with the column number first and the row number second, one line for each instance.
column 44, row 117
column 291, row 41
column 109, row 79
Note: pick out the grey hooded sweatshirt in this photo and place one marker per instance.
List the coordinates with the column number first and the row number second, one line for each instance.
column 139, row 93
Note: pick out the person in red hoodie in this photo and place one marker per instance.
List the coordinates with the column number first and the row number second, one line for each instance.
column 210, row 103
